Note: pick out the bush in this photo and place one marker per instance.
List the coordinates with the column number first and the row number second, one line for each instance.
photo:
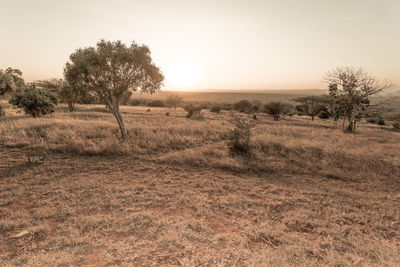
column 324, row 115
column 2, row 113
column 396, row 124
column 381, row 121
column 239, row 143
column 215, row 109
column 35, row 101
column 192, row 110
column 166, row 113
column 372, row 120
column 242, row 106
column 275, row 109
column 156, row 103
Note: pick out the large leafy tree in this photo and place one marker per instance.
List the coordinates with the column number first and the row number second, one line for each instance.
column 112, row 71
column 351, row 89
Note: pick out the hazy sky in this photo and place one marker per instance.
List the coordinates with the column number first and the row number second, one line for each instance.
column 253, row 44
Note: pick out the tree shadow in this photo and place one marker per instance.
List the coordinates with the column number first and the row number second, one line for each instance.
column 16, row 170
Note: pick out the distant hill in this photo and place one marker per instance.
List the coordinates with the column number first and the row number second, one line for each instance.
column 229, row 96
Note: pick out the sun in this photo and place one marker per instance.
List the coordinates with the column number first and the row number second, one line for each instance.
column 182, row 74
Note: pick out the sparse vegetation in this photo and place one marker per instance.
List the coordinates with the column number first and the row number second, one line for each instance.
column 186, row 188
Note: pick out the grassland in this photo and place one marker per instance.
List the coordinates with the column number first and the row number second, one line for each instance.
column 230, row 96
column 173, row 195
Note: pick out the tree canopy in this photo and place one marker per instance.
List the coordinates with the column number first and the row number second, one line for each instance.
column 10, row 80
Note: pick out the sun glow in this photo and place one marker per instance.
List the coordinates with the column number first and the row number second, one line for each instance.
column 182, row 75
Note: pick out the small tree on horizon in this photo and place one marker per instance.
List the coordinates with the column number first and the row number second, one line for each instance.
column 275, row 109
column 112, row 71
column 174, row 101
column 311, row 105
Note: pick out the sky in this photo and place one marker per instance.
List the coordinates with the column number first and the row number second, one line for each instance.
column 210, row 44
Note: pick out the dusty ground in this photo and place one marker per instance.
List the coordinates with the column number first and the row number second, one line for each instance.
column 141, row 210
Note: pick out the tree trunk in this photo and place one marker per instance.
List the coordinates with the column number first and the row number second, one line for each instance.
column 71, row 106
column 312, row 117
column 120, row 121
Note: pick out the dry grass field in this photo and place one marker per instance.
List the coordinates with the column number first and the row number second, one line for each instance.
column 173, row 195
column 230, row 96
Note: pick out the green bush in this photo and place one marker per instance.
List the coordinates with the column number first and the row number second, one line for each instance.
column 396, row 124
column 381, row 121
column 35, row 101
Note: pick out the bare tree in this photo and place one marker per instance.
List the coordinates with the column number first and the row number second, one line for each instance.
column 351, row 89
column 174, row 100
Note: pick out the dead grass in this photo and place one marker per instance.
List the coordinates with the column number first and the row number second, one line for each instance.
column 309, row 195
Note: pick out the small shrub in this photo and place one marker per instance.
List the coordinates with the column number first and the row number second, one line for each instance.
column 254, row 117
column 35, row 101
column 2, row 113
column 381, row 121
column 239, row 143
column 148, row 110
column 242, row 106
column 192, row 110
column 215, row 109
column 157, row 103
column 372, row 120
column 396, row 124
column 166, row 113
column 323, row 115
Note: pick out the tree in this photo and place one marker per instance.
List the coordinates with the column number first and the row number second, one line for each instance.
column 69, row 94
column 10, row 80
column 51, row 85
column 192, row 110
column 311, row 105
column 351, row 89
column 112, row 71
column 35, row 101
column 242, row 106
column 174, row 100
column 275, row 109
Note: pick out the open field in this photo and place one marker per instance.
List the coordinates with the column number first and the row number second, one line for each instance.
column 230, row 96
column 173, row 195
